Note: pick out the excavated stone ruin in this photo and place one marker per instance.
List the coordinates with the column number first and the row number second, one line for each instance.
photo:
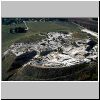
column 54, row 54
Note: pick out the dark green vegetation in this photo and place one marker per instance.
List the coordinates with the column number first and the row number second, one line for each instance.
column 37, row 31
column 18, row 30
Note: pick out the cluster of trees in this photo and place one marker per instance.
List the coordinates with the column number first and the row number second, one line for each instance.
column 18, row 30
column 7, row 21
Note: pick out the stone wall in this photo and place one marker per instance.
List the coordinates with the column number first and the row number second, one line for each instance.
column 37, row 73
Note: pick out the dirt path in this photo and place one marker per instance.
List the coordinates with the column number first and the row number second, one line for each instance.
column 83, row 29
column 26, row 25
column 90, row 32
